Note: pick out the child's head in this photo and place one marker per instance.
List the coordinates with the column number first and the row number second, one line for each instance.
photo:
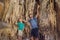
column 20, row 19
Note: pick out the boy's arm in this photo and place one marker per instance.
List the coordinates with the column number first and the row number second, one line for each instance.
column 27, row 23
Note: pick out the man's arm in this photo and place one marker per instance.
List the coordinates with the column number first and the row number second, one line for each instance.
column 37, row 11
column 37, row 15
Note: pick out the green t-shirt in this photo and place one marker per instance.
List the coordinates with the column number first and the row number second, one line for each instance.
column 20, row 26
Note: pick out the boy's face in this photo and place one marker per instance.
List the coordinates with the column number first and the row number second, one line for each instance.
column 20, row 19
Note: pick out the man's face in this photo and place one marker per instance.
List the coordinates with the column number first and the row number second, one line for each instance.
column 31, row 16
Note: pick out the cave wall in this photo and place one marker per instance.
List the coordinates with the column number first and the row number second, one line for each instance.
column 57, row 9
column 13, row 9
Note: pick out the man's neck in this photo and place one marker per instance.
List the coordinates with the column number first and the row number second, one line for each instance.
column 32, row 18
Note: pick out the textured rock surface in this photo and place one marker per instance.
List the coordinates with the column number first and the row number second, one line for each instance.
column 13, row 9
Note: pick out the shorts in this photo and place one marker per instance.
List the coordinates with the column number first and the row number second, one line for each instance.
column 35, row 33
column 20, row 33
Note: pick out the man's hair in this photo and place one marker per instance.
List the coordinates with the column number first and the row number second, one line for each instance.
column 29, row 15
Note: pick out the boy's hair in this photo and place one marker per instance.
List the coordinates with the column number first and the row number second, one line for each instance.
column 19, row 18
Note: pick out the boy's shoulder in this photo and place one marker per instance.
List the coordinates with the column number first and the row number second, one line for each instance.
column 18, row 22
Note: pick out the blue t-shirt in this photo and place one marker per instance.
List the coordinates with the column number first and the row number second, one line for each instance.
column 20, row 26
column 33, row 22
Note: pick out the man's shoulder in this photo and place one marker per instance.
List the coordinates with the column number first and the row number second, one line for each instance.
column 34, row 18
column 29, row 20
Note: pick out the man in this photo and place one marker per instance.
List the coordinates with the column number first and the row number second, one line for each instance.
column 34, row 26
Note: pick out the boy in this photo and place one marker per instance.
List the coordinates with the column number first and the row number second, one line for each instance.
column 21, row 26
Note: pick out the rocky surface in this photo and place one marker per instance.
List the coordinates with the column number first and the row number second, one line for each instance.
column 13, row 9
